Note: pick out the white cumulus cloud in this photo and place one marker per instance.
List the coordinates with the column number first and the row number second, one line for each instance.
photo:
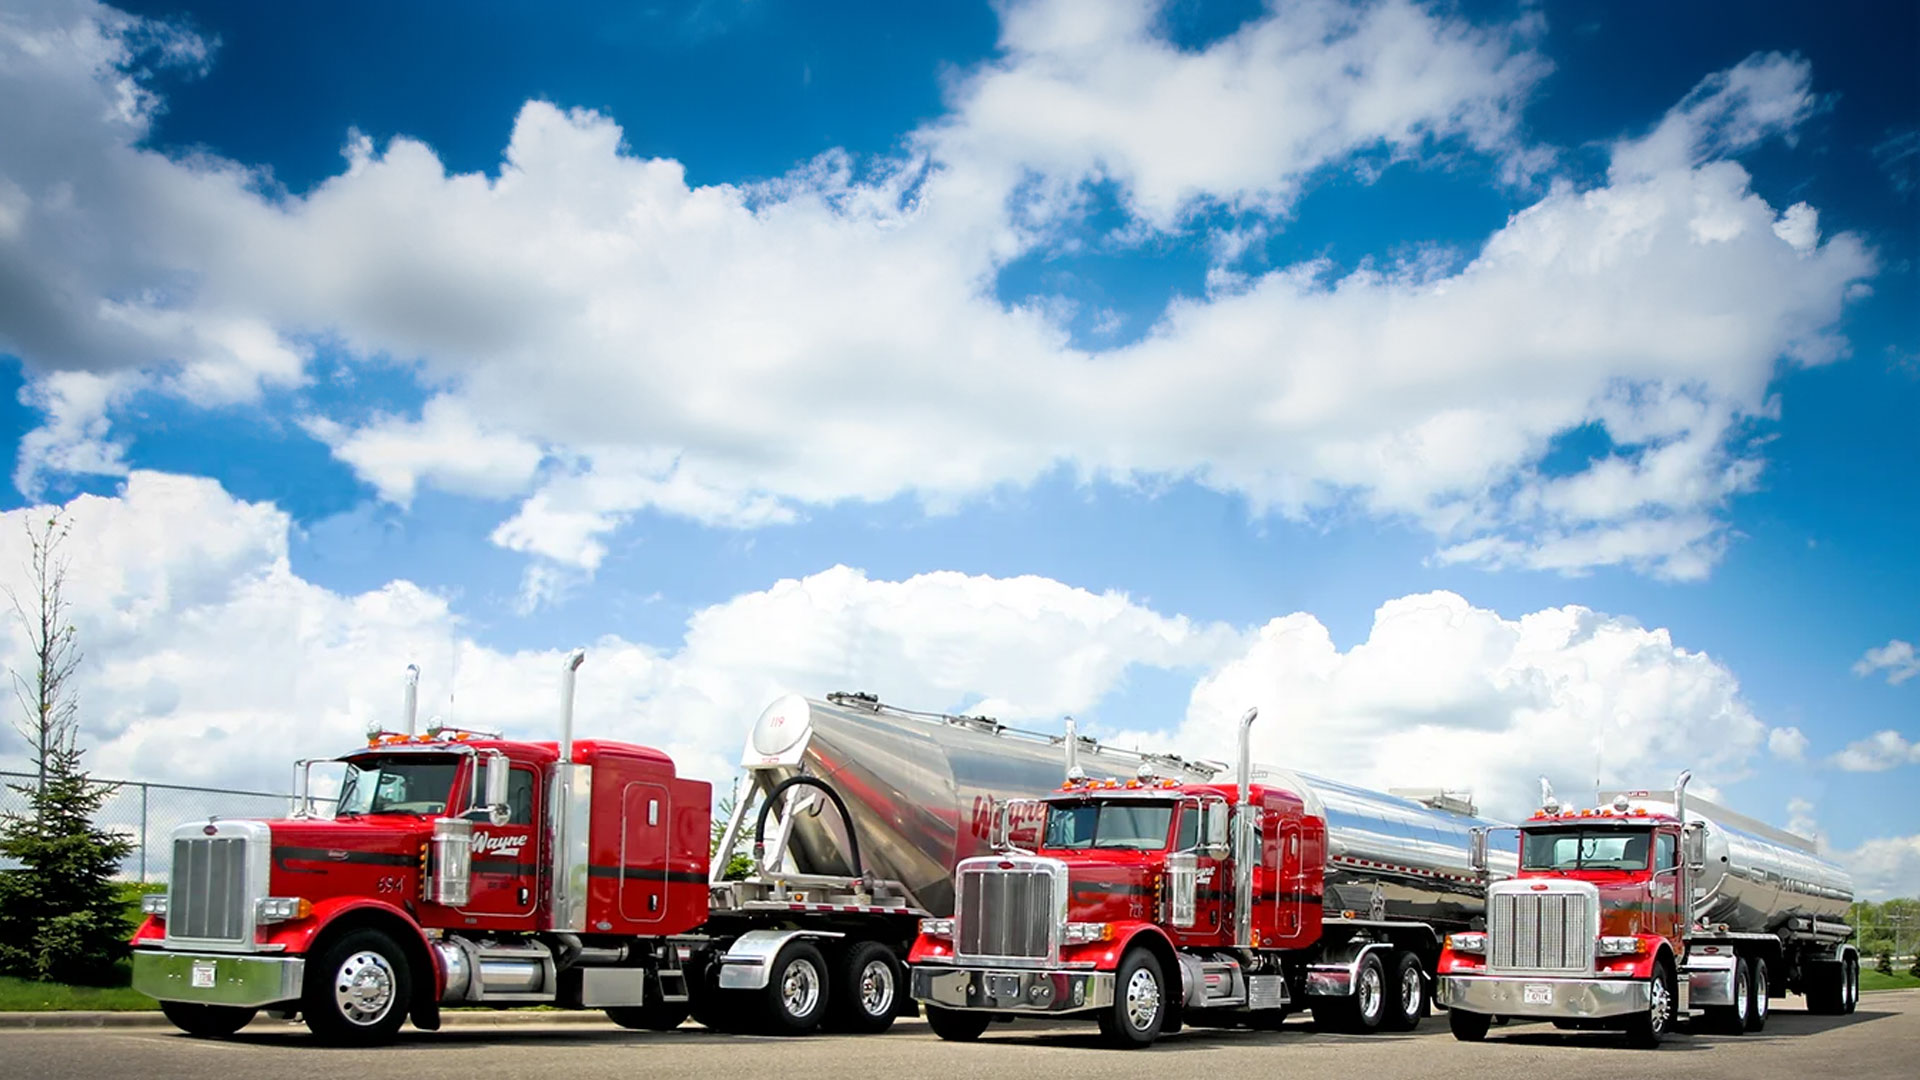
column 1787, row 743
column 1896, row 658
column 741, row 353
column 1878, row 752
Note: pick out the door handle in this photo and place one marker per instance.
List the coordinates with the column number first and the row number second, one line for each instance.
column 523, row 894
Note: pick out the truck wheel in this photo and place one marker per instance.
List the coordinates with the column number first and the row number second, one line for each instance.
column 1732, row 1019
column 1406, row 1000
column 653, row 1016
column 206, row 1021
column 1140, row 1003
column 1645, row 1031
column 1850, row 984
column 1360, row 1012
column 954, row 1025
column 1468, row 1027
column 866, row 991
column 357, row 990
column 795, row 998
column 1759, row 1006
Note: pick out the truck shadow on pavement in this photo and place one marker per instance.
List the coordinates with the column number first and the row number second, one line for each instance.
column 1690, row 1036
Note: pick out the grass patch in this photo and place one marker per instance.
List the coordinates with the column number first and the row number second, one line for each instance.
column 23, row 995
column 1899, row 980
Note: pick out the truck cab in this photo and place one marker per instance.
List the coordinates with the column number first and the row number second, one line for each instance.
column 1589, row 929
column 457, row 867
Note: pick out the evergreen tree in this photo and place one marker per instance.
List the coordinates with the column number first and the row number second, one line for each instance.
column 61, row 915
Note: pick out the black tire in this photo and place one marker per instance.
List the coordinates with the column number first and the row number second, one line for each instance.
column 1407, row 999
column 1646, row 1030
column 1850, row 985
column 1468, row 1027
column 653, row 1016
column 797, row 993
column 1140, row 1003
column 866, row 989
column 206, row 1021
column 358, row 989
column 1360, row 1012
column 955, row 1025
column 1732, row 1019
column 1760, row 979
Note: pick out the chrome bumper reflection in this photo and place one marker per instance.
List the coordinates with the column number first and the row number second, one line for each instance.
column 217, row 978
column 1565, row 999
column 1012, row 990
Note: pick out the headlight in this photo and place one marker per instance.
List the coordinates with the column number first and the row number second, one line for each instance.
column 276, row 909
column 938, row 928
column 1467, row 943
column 154, row 904
column 1619, row 946
column 1080, row 933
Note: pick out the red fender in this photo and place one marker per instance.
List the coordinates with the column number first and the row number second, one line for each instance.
column 297, row 937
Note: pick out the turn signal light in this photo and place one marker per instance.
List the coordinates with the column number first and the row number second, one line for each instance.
column 279, row 909
column 1468, row 943
column 937, row 928
column 154, row 904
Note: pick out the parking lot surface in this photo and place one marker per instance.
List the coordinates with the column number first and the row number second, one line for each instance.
column 1882, row 1039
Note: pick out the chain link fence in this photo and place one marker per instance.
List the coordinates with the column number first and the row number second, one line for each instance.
column 146, row 813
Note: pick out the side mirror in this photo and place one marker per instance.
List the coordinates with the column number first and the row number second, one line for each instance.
column 1214, row 830
column 493, row 806
column 1693, row 847
column 997, row 826
column 1477, row 850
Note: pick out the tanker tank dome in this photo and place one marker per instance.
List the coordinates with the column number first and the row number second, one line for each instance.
column 780, row 735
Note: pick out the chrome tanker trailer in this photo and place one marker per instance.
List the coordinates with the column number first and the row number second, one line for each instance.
column 1652, row 908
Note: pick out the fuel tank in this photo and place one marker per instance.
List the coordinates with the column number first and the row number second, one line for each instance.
column 1757, row 877
column 920, row 788
column 1400, row 855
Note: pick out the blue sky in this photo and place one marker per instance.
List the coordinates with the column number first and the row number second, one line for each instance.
column 1235, row 311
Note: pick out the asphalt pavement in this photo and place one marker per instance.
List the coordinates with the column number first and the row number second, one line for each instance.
column 1881, row 1039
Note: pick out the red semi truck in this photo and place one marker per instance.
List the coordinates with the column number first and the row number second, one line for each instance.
column 1648, row 910
column 1164, row 900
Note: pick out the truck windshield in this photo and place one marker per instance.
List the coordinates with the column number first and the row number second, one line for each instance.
column 397, row 785
column 1130, row 826
column 1585, row 849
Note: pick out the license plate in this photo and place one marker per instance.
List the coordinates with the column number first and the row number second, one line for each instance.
column 1537, row 994
column 203, row 974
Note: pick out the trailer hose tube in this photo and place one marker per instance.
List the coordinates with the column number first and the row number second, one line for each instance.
column 760, row 826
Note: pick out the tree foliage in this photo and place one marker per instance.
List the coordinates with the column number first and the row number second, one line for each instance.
column 61, row 913
column 62, row 917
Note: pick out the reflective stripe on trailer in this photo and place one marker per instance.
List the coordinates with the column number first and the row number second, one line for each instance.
column 1398, row 868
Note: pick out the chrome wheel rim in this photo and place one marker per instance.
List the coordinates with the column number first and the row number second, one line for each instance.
column 1369, row 991
column 1852, row 991
column 363, row 988
column 1740, row 992
column 1410, row 990
column 1760, row 1004
column 1143, row 999
column 800, row 988
column 876, row 987
column 1661, row 1010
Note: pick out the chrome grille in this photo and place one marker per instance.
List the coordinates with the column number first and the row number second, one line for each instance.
column 1544, row 931
column 1006, row 914
column 208, row 897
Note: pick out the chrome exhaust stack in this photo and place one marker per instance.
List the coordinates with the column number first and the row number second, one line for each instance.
column 1244, row 825
column 410, row 711
column 571, row 793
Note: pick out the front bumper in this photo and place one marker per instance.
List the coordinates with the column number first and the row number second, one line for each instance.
column 1556, row 998
column 1012, row 990
column 218, row 978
